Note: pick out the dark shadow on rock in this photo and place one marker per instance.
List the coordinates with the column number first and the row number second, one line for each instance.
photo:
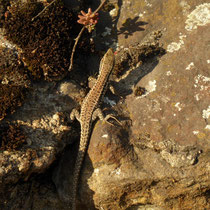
column 44, row 139
column 119, row 6
column 104, row 22
column 37, row 192
column 138, row 73
column 133, row 78
column 130, row 26
column 63, row 177
column 48, row 186
column 148, row 56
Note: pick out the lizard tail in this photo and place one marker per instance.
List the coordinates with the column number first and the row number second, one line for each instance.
column 78, row 165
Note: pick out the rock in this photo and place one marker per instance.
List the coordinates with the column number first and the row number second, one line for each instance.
column 159, row 157
column 43, row 124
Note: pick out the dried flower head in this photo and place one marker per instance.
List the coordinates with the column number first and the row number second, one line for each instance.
column 89, row 19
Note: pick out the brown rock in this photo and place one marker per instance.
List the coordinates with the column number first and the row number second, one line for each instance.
column 159, row 157
column 163, row 159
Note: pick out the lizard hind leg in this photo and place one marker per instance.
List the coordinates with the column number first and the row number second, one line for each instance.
column 75, row 114
column 98, row 113
column 111, row 116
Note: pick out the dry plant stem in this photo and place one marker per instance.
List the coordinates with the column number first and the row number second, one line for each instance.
column 73, row 50
column 43, row 10
column 79, row 35
column 100, row 6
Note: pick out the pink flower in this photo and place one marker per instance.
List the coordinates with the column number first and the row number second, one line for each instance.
column 88, row 19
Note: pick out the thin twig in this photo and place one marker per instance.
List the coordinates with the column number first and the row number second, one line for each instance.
column 79, row 35
column 100, row 6
column 73, row 50
column 43, row 10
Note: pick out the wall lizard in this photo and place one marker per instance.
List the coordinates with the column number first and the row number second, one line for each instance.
column 89, row 112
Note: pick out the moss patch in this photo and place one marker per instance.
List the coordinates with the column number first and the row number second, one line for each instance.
column 45, row 42
column 12, row 70
column 14, row 81
column 12, row 138
column 10, row 98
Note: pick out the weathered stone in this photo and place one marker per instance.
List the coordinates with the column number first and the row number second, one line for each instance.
column 163, row 158
column 42, row 120
column 159, row 157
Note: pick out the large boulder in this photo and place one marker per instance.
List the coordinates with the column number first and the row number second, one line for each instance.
column 159, row 156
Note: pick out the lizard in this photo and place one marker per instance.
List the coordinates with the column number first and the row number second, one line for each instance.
column 89, row 112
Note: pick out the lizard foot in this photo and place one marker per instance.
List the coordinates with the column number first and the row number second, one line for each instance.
column 75, row 114
column 111, row 116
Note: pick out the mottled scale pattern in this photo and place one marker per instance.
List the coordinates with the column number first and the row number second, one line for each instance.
column 89, row 105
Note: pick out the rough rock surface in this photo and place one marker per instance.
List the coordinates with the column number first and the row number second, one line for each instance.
column 159, row 157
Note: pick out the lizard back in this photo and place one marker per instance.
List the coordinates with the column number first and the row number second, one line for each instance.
column 89, row 105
